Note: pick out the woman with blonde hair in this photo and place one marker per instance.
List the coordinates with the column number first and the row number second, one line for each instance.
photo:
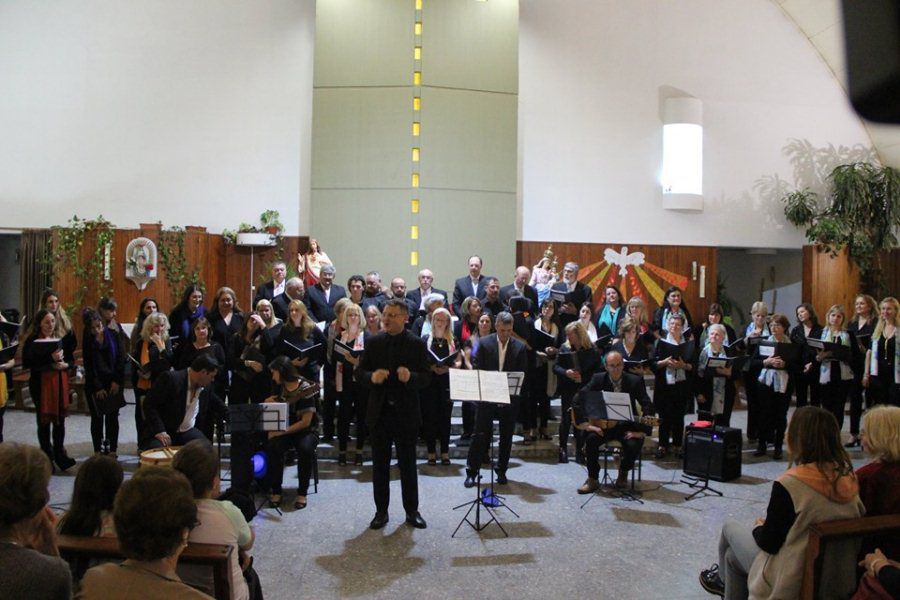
column 757, row 328
column 879, row 481
column 882, row 376
column 351, row 397
column 153, row 352
column 435, row 398
column 835, row 376
column 861, row 327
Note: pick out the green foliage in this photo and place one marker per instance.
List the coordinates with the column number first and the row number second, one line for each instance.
column 88, row 269
column 174, row 262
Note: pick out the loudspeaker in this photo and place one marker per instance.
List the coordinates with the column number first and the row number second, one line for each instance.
column 713, row 452
column 872, row 35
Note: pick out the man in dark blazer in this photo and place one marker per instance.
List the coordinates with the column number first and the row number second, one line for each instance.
column 491, row 304
column 393, row 368
column 497, row 352
column 414, row 296
column 181, row 404
column 520, row 285
column 322, row 297
column 581, row 293
column 293, row 290
column 630, row 435
column 471, row 285
column 271, row 289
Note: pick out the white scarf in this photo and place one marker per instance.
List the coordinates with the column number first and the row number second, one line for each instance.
column 777, row 379
column 842, row 338
column 873, row 365
column 551, row 376
column 717, row 405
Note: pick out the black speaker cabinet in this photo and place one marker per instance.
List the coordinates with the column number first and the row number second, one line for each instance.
column 872, row 35
column 713, row 452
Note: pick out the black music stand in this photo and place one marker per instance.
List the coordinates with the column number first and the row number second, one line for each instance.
column 700, row 483
column 253, row 418
column 487, row 497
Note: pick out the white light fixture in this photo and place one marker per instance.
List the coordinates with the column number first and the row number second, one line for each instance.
column 682, row 173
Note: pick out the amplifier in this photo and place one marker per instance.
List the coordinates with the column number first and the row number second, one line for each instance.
column 712, row 452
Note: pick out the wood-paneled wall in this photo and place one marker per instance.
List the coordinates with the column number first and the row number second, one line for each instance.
column 661, row 267
column 219, row 264
column 831, row 280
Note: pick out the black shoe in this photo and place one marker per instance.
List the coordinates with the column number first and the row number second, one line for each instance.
column 579, row 458
column 853, row 443
column 379, row 520
column 760, row 450
column 342, row 459
column 64, row 461
column 563, row 456
column 711, row 582
column 416, row 520
column 777, row 454
column 622, row 479
column 470, row 478
column 501, row 477
column 359, row 459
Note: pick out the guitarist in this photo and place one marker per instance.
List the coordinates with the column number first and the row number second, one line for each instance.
column 630, row 434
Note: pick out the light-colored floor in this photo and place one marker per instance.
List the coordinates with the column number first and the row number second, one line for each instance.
column 610, row 548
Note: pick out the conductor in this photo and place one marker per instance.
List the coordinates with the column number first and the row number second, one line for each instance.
column 393, row 368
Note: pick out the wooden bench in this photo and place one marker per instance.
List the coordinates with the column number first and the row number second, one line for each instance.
column 822, row 534
column 217, row 556
column 20, row 386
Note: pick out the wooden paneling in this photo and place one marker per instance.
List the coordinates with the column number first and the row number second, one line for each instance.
column 661, row 267
column 831, row 280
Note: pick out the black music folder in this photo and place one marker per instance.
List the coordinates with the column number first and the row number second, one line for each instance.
column 683, row 351
column 443, row 362
column 43, row 348
column 541, row 339
column 10, row 329
column 838, row 351
column 787, row 352
column 345, row 350
column 8, row 353
column 293, row 351
column 564, row 297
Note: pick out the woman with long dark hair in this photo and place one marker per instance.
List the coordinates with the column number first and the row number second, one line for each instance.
column 673, row 304
column 104, row 382
column 612, row 311
column 807, row 326
column 465, row 332
column 182, row 317
column 542, row 378
column 250, row 383
column 96, row 484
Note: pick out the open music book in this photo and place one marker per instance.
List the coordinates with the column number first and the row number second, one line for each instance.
column 482, row 386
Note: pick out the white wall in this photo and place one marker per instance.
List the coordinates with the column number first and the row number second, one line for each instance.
column 192, row 113
column 593, row 74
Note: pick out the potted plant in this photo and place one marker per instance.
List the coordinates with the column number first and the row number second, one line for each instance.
column 270, row 223
column 250, row 235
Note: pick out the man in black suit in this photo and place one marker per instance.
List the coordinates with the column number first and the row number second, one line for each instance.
column 271, row 289
column 497, row 352
column 322, row 297
column 581, row 293
column 415, row 296
column 293, row 290
column 520, row 285
column 471, row 285
column 398, row 290
column 630, row 435
column 393, row 368
column 179, row 403
column 373, row 294
column 491, row 304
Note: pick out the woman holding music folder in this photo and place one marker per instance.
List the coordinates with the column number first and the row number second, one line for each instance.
column 435, row 398
column 104, row 382
column 586, row 318
column 301, row 433
column 632, row 348
column 151, row 355
column 202, row 343
column 673, row 305
column 835, row 365
column 225, row 320
column 348, row 347
column 777, row 359
column 672, row 361
column 49, row 357
column 466, row 333
column 807, row 326
column 882, row 376
column 756, row 330
column 714, row 384
column 542, row 379
column 250, row 378
column 576, row 362
column 861, row 327
column 717, row 317
column 611, row 313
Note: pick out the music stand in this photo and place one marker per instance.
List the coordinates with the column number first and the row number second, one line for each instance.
column 487, row 498
column 253, row 418
column 700, row 484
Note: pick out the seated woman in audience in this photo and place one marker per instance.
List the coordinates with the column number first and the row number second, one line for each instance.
column 465, row 332
column 154, row 514
column 30, row 566
column 717, row 317
column 861, row 327
column 182, row 317
column 250, row 381
column 225, row 320
column 301, row 433
column 611, row 313
column 373, row 320
column 673, row 304
column 757, row 328
column 807, row 388
column 673, row 387
column 351, row 397
column 220, row 521
column 586, row 318
column 202, row 343
column 435, row 398
column 147, row 307
column 153, row 352
column 882, row 376
column 714, row 386
column 576, row 362
column 835, row 376
column 104, row 382
column 879, row 481
column 767, row 561
column 776, row 382
column 885, row 573
column 632, row 349
column 49, row 360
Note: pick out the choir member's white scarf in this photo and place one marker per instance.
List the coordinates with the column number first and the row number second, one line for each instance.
column 777, row 379
column 873, row 365
column 842, row 338
column 674, row 375
column 718, row 383
column 551, row 376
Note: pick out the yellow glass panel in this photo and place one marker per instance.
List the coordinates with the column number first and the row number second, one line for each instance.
column 417, row 53
column 415, row 180
column 417, row 128
column 418, row 28
column 417, row 77
column 414, row 232
column 418, row 4
column 413, row 259
column 415, row 154
column 417, row 103
column 414, row 207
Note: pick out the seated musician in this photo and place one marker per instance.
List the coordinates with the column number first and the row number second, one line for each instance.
column 630, row 434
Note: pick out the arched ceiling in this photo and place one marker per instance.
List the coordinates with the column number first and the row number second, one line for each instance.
column 822, row 23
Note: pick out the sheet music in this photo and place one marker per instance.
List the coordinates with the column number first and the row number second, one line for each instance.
column 618, row 406
column 814, row 343
column 494, row 387
column 766, row 351
column 127, row 328
column 479, row 386
column 464, row 385
column 274, row 416
column 713, row 362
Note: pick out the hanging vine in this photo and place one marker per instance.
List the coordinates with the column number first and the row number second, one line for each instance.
column 91, row 268
column 174, row 262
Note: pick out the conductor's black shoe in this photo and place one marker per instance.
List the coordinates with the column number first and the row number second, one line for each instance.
column 563, row 456
column 416, row 520
column 501, row 477
column 470, row 478
column 711, row 582
column 379, row 520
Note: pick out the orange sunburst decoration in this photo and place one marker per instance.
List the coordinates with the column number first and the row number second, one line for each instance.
column 631, row 274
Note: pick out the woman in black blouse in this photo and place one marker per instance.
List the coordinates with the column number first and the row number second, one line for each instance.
column 301, row 433
column 104, row 382
column 153, row 352
column 882, row 376
column 147, row 307
column 542, row 378
column 182, row 317
column 808, row 381
column 250, row 380
column 672, row 305
column 201, row 343
column 632, row 348
column 861, row 327
column 225, row 320
column 576, row 362
column 435, row 398
column 673, row 387
column 776, row 382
